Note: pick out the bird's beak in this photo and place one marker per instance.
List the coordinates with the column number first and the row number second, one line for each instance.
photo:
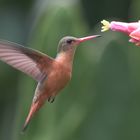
column 83, row 39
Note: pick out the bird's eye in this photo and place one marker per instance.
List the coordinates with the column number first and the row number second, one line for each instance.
column 69, row 41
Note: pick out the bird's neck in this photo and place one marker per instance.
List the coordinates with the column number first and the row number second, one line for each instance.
column 66, row 58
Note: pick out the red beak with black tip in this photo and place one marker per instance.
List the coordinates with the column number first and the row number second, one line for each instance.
column 83, row 39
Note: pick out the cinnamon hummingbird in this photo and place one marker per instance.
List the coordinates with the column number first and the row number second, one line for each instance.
column 52, row 74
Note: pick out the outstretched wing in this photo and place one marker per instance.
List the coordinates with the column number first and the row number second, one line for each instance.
column 29, row 61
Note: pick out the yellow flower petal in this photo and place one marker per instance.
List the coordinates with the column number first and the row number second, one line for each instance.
column 106, row 25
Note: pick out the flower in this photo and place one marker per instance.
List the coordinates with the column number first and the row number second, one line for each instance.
column 131, row 29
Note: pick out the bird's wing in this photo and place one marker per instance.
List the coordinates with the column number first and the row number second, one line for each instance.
column 29, row 61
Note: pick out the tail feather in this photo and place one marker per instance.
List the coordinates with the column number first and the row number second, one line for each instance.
column 34, row 108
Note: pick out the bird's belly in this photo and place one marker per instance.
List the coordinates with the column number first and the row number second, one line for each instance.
column 56, row 81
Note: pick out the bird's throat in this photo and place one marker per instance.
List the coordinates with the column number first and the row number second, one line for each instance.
column 66, row 57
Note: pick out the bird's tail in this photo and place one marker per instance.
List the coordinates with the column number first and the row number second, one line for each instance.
column 34, row 108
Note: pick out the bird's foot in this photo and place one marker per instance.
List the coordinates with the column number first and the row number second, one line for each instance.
column 51, row 99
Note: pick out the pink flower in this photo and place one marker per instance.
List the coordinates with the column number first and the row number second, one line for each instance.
column 131, row 29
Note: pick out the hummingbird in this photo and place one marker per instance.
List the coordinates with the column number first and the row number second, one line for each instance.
column 52, row 74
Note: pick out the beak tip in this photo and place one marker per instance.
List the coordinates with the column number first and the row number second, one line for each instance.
column 98, row 36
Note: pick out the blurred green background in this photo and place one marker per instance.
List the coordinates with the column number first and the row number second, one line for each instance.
column 102, row 101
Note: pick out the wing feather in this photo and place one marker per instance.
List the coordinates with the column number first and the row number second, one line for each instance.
column 29, row 61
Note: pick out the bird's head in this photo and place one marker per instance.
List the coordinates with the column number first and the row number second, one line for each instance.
column 69, row 43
